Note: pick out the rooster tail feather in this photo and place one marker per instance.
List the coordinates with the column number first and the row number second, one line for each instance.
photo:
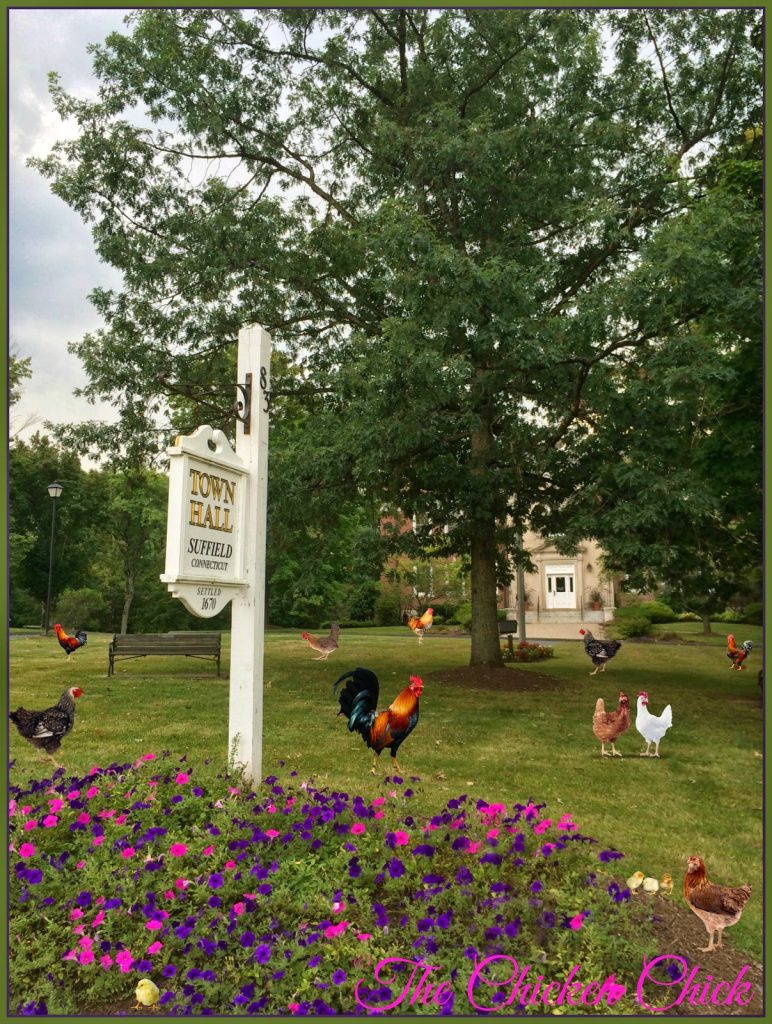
column 337, row 682
column 81, row 635
column 667, row 716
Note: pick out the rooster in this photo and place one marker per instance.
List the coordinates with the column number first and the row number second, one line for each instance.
column 599, row 651
column 325, row 644
column 46, row 729
column 421, row 624
column 717, row 906
column 651, row 727
column 70, row 644
column 608, row 726
column 737, row 655
column 390, row 728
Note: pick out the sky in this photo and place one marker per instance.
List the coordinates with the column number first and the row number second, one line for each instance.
column 52, row 263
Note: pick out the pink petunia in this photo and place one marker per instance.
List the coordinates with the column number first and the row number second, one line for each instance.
column 11, row 807
column 393, row 793
column 542, row 826
column 230, row 865
column 100, row 900
column 81, row 864
column 106, row 962
column 378, row 801
column 55, row 804
column 239, row 908
column 106, row 814
column 83, row 818
column 401, row 838
column 27, row 850
column 72, row 795
column 457, row 822
column 75, row 914
column 271, row 809
column 120, row 819
column 378, row 814
column 208, row 851
column 472, row 847
column 234, row 790
column 334, row 930
column 124, row 959
column 148, row 757
column 128, row 852
column 293, row 1007
column 50, row 821
column 364, row 936
column 338, row 907
column 182, row 883
column 155, row 947
column 169, row 894
column 98, row 919
column 577, row 922
column 357, row 828
column 29, row 825
column 92, row 791
column 86, row 942
column 71, row 954
column 86, row 956
column 153, row 926
column 79, row 929
column 178, row 850
column 492, row 833
column 182, row 778
column 272, row 833
column 97, row 840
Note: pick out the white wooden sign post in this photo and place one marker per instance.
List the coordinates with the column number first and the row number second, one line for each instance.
column 215, row 539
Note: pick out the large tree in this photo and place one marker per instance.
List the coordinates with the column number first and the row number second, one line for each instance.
column 452, row 218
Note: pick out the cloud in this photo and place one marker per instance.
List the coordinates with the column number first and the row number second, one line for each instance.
column 52, row 264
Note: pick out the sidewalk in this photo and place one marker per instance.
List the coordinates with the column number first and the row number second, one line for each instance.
column 562, row 630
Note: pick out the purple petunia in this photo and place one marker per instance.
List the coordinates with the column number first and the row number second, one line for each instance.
column 396, row 867
column 339, row 977
column 215, row 881
column 263, row 953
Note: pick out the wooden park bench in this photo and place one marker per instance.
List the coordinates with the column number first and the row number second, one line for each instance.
column 139, row 645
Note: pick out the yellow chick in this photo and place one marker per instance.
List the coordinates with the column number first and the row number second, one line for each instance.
column 147, row 993
column 634, row 881
column 650, row 885
column 666, row 884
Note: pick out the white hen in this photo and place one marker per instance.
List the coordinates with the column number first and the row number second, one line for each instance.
column 652, row 727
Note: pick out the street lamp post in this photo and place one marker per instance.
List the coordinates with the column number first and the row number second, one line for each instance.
column 54, row 491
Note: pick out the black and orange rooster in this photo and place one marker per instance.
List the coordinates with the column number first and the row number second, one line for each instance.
column 70, row 644
column 390, row 728
column 737, row 655
column 599, row 651
column 419, row 624
column 46, row 729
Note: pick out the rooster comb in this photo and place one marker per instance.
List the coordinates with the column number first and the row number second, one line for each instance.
column 416, row 679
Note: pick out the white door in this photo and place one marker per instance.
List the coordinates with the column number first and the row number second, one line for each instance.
column 560, row 588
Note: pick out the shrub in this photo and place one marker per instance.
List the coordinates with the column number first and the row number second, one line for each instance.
column 83, row 609
column 463, row 615
column 638, row 626
column 753, row 614
column 689, row 617
column 654, row 611
column 386, row 609
column 279, row 899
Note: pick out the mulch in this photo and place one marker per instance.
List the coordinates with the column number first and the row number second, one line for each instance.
column 680, row 933
column 502, row 680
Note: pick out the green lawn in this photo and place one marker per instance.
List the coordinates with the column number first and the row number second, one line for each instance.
column 704, row 796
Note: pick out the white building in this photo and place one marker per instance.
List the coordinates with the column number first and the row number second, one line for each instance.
column 564, row 588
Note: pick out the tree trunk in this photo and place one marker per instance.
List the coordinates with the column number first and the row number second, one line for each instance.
column 486, row 649
column 706, row 624
column 128, row 597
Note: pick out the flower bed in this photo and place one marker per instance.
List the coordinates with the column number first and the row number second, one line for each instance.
column 285, row 899
column 526, row 651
